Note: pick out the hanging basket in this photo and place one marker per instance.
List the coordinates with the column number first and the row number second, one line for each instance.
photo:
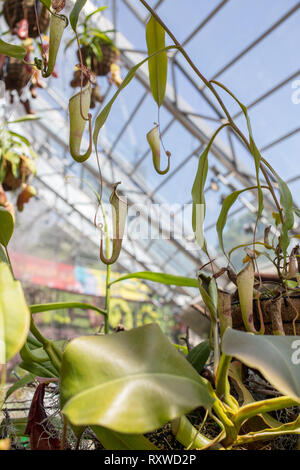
column 109, row 56
column 17, row 74
column 17, row 10
column 279, row 314
column 11, row 182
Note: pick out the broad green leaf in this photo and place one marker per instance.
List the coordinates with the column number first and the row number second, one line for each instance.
column 276, row 357
column 101, row 118
column 161, row 278
column 58, row 23
column 7, row 224
column 112, row 440
column 79, row 106
column 198, row 191
column 14, row 315
column 198, row 355
column 286, row 201
column 61, row 305
column 28, row 378
column 253, row 148
column 74, row 15
column 27, row 117
column 131, row 382
column 157, row 65
column 11, row 50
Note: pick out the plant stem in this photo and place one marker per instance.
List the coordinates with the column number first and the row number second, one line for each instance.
column 9, row 261
column 2, row 384
column 108, row 272
column 222, row 383
column 263, row 406
column 219, row 99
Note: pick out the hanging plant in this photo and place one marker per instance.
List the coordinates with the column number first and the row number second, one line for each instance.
column 98, row 53
column 17, row 164
column 21, row 17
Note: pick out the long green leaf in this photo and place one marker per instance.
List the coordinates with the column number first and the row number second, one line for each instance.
column 27, row 117
column 74, row 15
column 157, row 65
column 10, row 50
column 286, row 201
column 198, row 214
column 253, row 148
column 7, row 224
column 276, row 357
column 61, row 305
column 227, row 204
column 93, row 13
column 101, row 118
column 28, row 378
column 130, row 382
column 199, row 355
column 161, row 278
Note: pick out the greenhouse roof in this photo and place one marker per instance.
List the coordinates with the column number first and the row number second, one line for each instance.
column 251, row 47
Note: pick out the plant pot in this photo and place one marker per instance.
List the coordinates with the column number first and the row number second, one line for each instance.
column 109, row 56
column 278, row 314
column 17, row 74
column 10, row 182
column 17, row 10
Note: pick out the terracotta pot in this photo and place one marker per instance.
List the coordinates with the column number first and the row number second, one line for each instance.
column 16, row 10
column 278, row 315
column 10, row 182
column 17, row 74
column 109, row 56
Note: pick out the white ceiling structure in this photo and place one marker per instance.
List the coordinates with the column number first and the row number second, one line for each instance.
column 189, row 116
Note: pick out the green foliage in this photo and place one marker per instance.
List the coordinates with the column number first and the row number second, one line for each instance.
column 162, row 278
column 131, row 396
column 157, row 65
column 7, row 224
column 11, row 50
column 14, row 315
column 273, row 356
column 199, row 355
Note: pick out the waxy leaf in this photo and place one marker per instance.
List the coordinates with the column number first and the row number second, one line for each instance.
column 14, row 315
column 276, row 357
column 198, row 355
column 157, row 65
column 112, row 440
column 79, row 106
column 11, row 50
column 162, row 278
column 7, row 224
column 198, row 214
column 47, row 3
column 74, row 15
column 131, row 382
column 226, row 206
